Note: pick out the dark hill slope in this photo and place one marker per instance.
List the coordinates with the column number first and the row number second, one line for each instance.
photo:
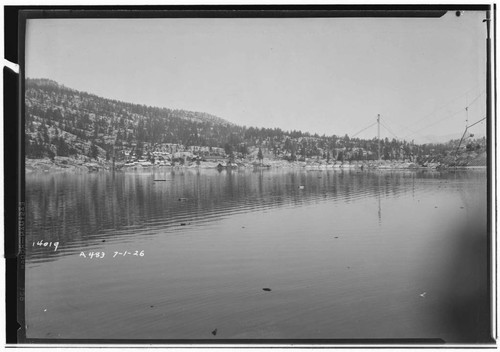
column 66, row 122
column 56, row 114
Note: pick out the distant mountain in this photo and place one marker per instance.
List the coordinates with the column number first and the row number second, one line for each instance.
column 66, row 122
column 452, row 136
column 441, row 139
column 56, row 115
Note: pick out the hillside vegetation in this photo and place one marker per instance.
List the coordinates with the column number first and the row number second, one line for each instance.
column 64, row 122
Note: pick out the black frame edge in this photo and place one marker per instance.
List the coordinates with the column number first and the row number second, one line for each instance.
column 15, row 24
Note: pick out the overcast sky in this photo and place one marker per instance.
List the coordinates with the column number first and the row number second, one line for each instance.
column 330, row 76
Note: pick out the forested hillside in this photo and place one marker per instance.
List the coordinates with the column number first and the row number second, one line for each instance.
column 65, row 122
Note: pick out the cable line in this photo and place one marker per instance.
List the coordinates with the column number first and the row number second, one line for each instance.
column 435, row 123
column 474, row 100
column 466, row 129
column 475, row 123
column 409, row 129
column 446, row 104
column 354, row 135
column 389, row 130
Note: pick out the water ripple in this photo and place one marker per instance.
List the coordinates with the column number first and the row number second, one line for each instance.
column 82, row 210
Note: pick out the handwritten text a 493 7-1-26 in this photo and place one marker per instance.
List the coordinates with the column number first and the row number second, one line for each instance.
column 92, row 255
column 100, row 255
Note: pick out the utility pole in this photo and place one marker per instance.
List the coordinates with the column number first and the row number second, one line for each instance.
column 114, row 143
column 466, row 111
column 378, row 122
column 114, row 155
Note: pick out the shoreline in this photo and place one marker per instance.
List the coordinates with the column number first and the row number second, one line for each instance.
column 65, row 164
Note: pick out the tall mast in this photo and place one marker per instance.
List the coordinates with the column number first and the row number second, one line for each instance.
column 114, row 143
column 378, row 122
column 466, row 110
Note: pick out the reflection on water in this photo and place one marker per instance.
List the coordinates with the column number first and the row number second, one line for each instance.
column 347, row 255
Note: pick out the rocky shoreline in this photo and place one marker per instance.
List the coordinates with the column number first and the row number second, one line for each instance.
column 86, row 165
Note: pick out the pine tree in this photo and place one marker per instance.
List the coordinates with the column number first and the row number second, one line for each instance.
column 93, row 152
column 260, row 156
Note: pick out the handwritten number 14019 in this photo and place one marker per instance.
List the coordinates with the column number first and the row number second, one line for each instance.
column 47, row 244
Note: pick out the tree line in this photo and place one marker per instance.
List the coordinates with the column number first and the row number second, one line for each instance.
column 54, row 113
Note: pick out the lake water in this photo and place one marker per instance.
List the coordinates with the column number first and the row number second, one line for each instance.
column 350, row 255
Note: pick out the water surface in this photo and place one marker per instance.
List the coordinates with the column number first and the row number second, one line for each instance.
column 346, row 254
